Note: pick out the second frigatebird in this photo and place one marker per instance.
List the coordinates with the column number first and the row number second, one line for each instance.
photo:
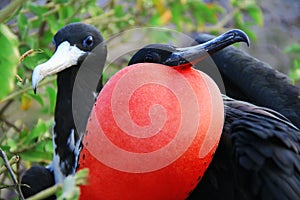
column 258, row 156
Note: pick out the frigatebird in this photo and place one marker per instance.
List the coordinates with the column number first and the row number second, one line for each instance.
column 258, row 156
column 73, row 44
column 239, row 116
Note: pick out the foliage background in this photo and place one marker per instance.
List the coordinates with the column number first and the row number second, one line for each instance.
column 26, row 119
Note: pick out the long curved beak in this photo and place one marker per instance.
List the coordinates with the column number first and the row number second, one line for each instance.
column 189, row 56
column 65, row 56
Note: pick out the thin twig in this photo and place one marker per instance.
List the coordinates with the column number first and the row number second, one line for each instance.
column 5, row 107
column 106, row 15
column 10, row 171
column 8, row 123
column 6, row 186
column 46, row 193
column 15, row 159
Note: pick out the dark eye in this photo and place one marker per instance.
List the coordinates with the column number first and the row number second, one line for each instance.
column 88, row 41
column 152, row 57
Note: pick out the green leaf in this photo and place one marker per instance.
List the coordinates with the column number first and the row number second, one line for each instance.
column 37, row 9
column 94, row 10
column 294, row 73
column 234, row 3
column 119, row 11
column 22, row 25
column 238, row 18
column 255, row 13
column 9, row 58
column 48, row 146
column 61, row 1
column 155, row 20
column 52, row 98
column 36, row 132
column 36, row 156
column 250, row 33
column 38, row 98
column 12, row 144
column 294, row 48
column 176, row 9
column 43, row 146
column 208, row 12
column 54, row 24
column 65, row 12
column 40, row 150
column 5, row 148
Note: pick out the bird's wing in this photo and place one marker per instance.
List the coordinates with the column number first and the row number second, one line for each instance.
column 258, row 157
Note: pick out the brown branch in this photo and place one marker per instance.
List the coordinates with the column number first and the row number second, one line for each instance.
column 8, row 123
column 7, row 104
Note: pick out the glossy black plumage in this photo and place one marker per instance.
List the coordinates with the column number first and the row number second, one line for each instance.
column 36, row 179
column 75, row 98
column 258, row 156
column 74, row 40
column 64, row 110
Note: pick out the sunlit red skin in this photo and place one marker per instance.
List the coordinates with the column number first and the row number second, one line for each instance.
column 174, row 181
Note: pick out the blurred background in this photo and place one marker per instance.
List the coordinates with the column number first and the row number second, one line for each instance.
column 27, row 28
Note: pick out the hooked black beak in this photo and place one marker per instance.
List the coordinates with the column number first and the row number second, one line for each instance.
column 188, row 56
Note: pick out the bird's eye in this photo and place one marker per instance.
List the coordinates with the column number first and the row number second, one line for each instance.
column 152, row 57
column 88, row 41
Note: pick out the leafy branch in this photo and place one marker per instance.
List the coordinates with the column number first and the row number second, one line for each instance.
column 10, row 9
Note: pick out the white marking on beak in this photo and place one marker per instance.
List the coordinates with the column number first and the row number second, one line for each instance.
column 65, row 56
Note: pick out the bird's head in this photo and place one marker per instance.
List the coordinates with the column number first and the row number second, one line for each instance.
column 72, row 45
column 187, row 56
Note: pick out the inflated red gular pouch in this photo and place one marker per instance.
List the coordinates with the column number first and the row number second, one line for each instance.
column 151, row 134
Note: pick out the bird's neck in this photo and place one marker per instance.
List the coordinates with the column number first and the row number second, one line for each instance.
column 66, row 140
column 75, row 98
